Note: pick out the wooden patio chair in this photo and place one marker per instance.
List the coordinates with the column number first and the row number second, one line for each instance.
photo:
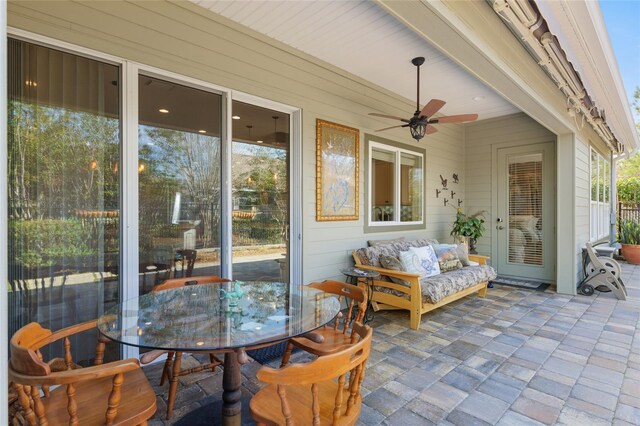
column 304, row 394
column 116, row 393
column 187, row 260
column 331, row 338
column 173, row 364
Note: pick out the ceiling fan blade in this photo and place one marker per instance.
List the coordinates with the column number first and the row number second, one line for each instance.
column 430, row 130
column 393, row 117
column 455, row 118
column 432, row 107
column 392, row 127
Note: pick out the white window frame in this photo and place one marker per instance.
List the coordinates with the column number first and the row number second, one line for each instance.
column 599, row 211
column 397, row 204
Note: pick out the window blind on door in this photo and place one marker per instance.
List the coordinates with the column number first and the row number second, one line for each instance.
column 525, row 209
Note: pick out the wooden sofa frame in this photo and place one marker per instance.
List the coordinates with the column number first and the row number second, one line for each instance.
column 384, row 301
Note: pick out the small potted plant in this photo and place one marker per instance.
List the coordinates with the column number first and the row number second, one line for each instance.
column 629, row 237
column 469, row 226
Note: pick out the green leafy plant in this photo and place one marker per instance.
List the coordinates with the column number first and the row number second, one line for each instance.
column 468, row 225
column 629, row 190
column 629, row 232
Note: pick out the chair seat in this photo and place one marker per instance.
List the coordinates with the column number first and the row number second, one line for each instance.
column 333, row 341
column 137, row 402
column 265, row 405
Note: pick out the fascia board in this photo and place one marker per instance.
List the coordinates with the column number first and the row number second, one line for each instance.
column 582, row 33
column 452, row 27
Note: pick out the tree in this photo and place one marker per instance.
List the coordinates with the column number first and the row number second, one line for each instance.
column 628, row 170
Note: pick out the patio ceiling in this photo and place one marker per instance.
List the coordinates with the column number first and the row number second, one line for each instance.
column 363, row 39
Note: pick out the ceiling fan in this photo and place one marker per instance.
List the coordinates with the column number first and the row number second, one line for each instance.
column 422, row 121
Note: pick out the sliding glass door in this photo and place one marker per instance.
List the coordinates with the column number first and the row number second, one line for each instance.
column 260, row 193
column 179, row 163
column 120, row 178
column 63, row 185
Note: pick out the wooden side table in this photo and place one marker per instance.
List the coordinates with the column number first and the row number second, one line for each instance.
column 356, row 277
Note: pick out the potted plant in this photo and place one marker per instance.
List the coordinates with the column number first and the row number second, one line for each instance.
column 629, row 237
column 469, row 226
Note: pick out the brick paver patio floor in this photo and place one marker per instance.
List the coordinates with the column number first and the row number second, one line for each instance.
column 517, row 357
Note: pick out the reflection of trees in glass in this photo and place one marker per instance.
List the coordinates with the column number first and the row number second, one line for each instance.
column 260, row 182
column 60, row 162
column 181, row 162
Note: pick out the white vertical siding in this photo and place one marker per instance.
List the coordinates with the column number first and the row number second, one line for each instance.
column 183, row 38
column 481, row 139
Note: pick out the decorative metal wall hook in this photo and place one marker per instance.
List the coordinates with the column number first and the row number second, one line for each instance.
column 459, row 202
column 438, row 193
column 452, row 194
column 444, row 182
column 445, row 202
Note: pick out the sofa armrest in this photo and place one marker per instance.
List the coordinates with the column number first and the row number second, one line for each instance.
column 390, row 272
column 478, row 258
column 414, row 289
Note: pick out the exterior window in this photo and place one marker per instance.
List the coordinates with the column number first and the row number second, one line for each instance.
column 600, row 196
column 396, row 185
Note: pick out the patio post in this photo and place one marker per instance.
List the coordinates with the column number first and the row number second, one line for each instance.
column 566, row 255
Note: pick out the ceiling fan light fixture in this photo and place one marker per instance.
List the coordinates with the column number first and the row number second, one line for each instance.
column 418, row 130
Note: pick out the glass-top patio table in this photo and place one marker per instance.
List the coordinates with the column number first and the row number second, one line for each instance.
column 226, row 317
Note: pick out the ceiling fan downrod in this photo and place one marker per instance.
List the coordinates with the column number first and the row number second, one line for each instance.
column 417, row 62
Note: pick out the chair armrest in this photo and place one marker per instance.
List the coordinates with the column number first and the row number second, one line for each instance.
column 479, row 258
column 82, row 374
column 151, row 356
column 69, row 331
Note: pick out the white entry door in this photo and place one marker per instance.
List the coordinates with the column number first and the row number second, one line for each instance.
column 525, row 221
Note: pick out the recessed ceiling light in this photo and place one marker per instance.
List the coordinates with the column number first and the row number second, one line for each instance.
column 164, row 110
column 200, row 343
column 236, row 117
column 259, row 141
column 477, row 98
column 202, row 131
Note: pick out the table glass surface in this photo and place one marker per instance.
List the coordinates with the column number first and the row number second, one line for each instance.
column 202, row 317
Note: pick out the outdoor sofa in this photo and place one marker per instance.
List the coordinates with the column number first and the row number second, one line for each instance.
column 415, row 293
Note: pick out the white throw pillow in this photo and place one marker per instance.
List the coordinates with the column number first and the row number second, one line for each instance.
column 420, row 260
column 428, row 260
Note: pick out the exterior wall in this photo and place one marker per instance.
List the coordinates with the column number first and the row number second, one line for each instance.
column 482, row 138
column 188, row 40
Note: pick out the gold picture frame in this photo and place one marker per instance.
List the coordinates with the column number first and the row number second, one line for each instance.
column 337, row 172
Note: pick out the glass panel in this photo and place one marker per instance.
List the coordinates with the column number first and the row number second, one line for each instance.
column 525, row 209
column 63, row 144
column 607, row 181
column 410, row 188
column 260, row 191
column 594, row 176
column 382, row 185
column 601, row 178
column 179, row 181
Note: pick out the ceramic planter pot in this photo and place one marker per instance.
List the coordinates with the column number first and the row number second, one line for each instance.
column 631, row 253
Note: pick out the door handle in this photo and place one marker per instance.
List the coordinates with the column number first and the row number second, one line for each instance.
column 499, row 227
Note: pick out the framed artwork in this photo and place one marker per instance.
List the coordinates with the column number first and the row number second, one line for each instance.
column 337, row 168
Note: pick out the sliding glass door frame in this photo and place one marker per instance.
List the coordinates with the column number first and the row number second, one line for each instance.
column 129, row 189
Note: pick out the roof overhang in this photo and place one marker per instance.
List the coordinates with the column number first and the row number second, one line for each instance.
column 581, row 31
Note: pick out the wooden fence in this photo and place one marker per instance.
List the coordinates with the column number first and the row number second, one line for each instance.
column 627, row 213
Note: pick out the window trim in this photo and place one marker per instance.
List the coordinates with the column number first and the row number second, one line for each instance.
column 599, row 205
column 371, row 142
